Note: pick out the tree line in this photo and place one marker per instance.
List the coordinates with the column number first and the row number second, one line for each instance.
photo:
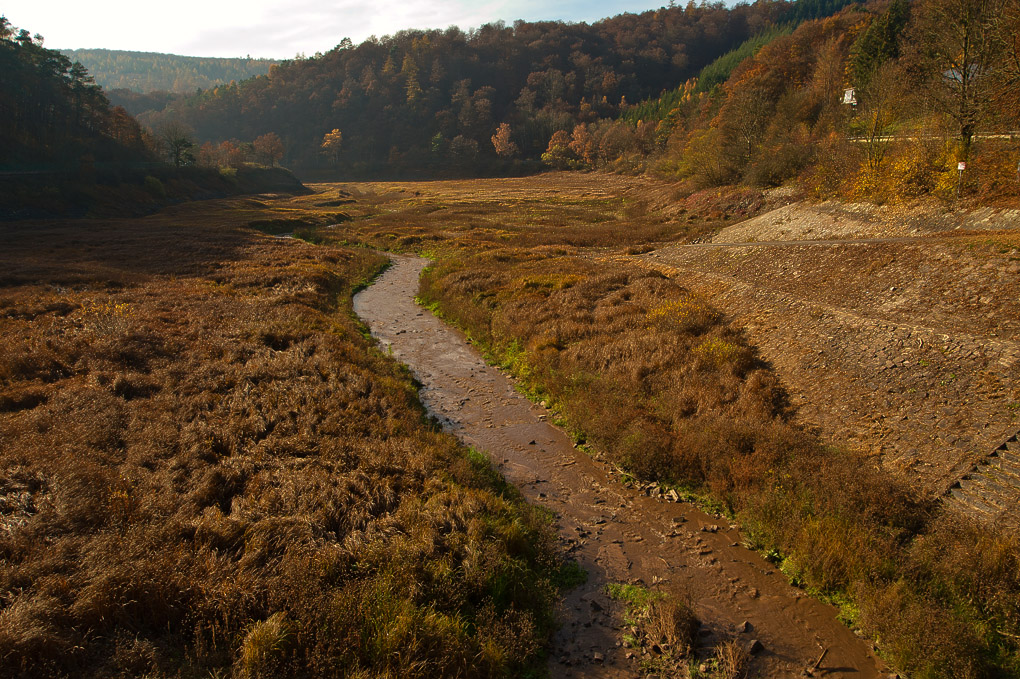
column 145, row 72
column 702, row 93
column 53, row 113
column 431, row 100
column 885, row 99
column 893, row 100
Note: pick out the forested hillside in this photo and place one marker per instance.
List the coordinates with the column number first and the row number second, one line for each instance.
column 53, row 113
column 889, row 102
column 64, row 150
column 425, row 100
column 150, row 71
column 709, row 95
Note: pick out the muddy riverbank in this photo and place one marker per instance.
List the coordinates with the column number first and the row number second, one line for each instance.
column 618, row 534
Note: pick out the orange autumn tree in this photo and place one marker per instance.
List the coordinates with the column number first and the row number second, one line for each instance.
column 269, row 148
column 558, row 153
column 505, row 147
column 583, row 145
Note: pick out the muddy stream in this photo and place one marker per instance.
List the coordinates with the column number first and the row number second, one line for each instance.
column 618, row 534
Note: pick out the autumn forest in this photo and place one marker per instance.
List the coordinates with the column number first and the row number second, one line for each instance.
column 766, row 93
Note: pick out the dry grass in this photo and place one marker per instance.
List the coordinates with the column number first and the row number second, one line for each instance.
column 663, row 386
column 657, row 380
column 207, row 469
column 732, row 659
column 662, row 628
column 559, row 209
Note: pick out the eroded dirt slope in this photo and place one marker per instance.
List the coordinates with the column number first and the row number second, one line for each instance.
column 903, row 348
column 833, row 220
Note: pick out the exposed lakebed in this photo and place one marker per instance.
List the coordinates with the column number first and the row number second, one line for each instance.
column 617, row 533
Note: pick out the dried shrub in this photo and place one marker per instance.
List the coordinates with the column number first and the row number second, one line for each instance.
column 207, row 469
column 731, row 659
column 993, row 171
column 672, row 623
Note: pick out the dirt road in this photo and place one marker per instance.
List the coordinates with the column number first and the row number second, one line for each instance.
column 618, row 534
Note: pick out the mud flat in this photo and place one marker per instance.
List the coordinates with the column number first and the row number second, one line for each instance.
column 618, row 534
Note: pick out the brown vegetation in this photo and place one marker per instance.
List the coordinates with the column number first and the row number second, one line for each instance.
column 207, row 468
column 658, row 381
column 933, row 85
column 662, row 626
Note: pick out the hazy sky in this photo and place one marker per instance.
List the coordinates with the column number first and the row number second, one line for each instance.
column 280, row 28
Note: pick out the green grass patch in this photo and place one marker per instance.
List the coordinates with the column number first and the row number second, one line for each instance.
column 570, row 575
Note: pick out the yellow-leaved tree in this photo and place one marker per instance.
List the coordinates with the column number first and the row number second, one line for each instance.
column 331, row 144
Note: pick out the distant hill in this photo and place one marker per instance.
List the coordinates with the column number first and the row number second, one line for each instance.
column 432, row 102
column 66, row 151
column 152, row 71
column 427, row 101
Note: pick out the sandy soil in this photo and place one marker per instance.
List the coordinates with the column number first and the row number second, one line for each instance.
column 832, row 220
column 618, row 534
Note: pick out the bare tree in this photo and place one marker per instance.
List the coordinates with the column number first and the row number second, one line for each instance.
column 1007, row 76
column 956, row 49
column 882, row 104
column 176, row 141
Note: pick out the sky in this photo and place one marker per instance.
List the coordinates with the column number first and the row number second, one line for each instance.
column 279, row 29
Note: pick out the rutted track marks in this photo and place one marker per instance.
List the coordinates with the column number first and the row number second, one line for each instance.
column 614, row 532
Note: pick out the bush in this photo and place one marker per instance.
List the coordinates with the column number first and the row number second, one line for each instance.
column 155, row 187
column 992, row 172
column 924, row 168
